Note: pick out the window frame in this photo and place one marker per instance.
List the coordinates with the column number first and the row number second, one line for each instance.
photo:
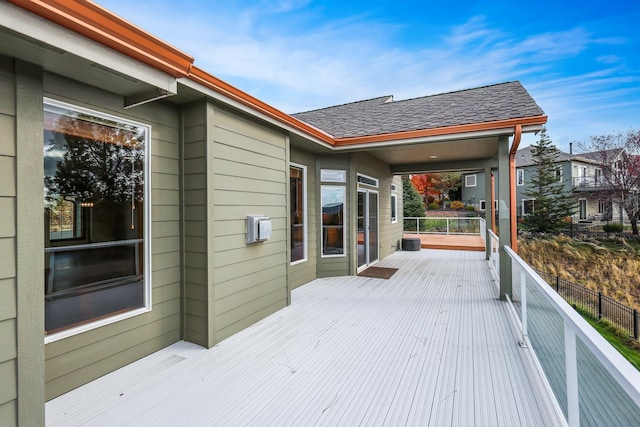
column 475, row 180
column 394, row 204
column 533, row 206
column 344, row 222
column 519, row 177
column 305, row 215
column 147, row 233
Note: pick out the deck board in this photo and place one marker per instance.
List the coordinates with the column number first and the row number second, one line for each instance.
column 430, row 346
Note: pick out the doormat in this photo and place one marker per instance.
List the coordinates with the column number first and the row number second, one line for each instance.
column 378, row 272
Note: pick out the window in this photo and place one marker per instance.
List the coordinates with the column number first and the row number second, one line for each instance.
column 582, row 208
column 96, row 218
column 520, row 177
column 559, row 174
column 333, row 198
column 394, row 204
column 332, row 175
column 528, row 206
column 470, row 180
column 298, row 179
column 483, row 205
column 598, row 177
column 367, row 180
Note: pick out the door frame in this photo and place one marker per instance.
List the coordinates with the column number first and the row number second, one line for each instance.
column 367, row 229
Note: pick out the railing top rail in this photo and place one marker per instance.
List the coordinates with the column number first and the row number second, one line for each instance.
column 624, row 373
column 445, row 217
column 493, row 235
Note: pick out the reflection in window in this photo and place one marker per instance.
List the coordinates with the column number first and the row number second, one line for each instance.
column 298, row 213
column 65, row 220
column 94, row 216
column 333, row 226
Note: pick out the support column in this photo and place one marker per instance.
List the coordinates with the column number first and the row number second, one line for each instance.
column 489, row 212
column 504, row 215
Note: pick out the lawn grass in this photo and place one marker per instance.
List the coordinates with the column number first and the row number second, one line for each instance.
column 626, row 345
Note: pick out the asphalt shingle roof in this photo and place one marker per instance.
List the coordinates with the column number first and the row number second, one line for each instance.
column 383, row 115
column 524, row 157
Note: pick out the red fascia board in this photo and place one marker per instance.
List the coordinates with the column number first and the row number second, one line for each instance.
column 214, row 83
column 98, row 24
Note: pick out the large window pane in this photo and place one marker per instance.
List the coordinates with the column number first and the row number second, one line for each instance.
column 333, row 200
column 94, row 189
column 298, row 214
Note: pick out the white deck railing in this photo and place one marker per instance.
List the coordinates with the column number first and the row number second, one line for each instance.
column 494, row 257
column 444, row 225
column 590, row 379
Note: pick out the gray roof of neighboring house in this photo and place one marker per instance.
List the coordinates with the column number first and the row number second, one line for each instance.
column 524, row 157
column 384, row 115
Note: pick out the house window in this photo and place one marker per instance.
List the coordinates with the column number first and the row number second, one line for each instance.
column 582, row 206
column 333, row 175
column 601, row 206
column 394, row 204
column 598, row 176
column 96, row 219
column 483, row 205
column 470, row 180
column 559, row 174
column 298, row 179
column 333, row 198
column 367, row 180
column 528, row 206
column 520, row 177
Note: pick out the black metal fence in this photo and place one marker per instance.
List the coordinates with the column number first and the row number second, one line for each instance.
column 596, row 304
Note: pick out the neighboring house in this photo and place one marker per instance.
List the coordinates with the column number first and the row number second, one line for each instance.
column 581, row 174
column 177, row 207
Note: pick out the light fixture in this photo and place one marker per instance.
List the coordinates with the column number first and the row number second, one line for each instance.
column 433, row 157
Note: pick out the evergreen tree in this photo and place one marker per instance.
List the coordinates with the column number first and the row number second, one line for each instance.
column 553, row 202
column 413, row 205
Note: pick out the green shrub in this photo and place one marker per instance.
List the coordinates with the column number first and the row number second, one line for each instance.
column 433, row 206
column 457, row 205
column 470, row 208
column 612, row 228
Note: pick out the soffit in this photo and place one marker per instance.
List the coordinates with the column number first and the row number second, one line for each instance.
column 30, row 38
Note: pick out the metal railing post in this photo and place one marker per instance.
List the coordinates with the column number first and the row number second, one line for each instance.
column 447, row 226
column 599, row 305
column 523, row 303
column 571, row 365
column 635, row 323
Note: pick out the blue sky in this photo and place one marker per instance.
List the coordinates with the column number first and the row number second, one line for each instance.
column 580, row 60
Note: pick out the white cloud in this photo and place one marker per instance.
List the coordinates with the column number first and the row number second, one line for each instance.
column 288, row 54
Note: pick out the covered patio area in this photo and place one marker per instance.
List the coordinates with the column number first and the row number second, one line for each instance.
column 432, row 345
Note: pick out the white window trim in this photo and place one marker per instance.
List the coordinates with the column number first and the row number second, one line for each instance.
column 466, row 180
column 305, row 216
column 561, row 175
column 495, row 205
column 344, row 225
column 519, row 177
column 394, row 202
column 526, row 200
column 367, row 177
column 147, row 227
column 333, row 175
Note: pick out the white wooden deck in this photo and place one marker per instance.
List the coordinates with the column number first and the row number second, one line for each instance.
column 430, row 346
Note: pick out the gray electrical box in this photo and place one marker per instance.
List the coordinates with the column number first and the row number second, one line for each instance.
column 258, row 228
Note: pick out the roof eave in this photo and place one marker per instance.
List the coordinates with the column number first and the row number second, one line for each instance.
column 529, row 124
column 98, row 24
